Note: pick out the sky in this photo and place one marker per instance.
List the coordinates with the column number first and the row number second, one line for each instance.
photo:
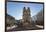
column 16, row 9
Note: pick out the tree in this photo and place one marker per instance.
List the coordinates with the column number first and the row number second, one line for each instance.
column 40, row 18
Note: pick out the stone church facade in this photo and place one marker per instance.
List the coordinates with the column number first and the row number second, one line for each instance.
column 26, row 21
